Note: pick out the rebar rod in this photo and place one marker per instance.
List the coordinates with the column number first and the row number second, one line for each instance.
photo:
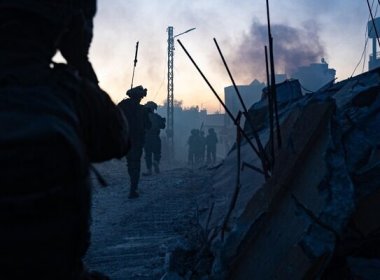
column 273, row 78
column 223, row 105
column 270, row 109
column 237, row 186
column 263, row 156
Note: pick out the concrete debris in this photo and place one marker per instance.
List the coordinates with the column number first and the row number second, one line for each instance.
column 171, row 276
column 318, row 215
column 363, row 268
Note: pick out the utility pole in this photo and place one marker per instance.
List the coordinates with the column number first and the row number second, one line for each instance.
column 170, row 98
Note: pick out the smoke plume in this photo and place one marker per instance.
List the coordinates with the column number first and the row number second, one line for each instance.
column 292, row 47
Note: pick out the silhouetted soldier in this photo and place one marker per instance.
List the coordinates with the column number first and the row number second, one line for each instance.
column 137, row 116
column 54, row 121
column 202, row 147
column 152, row 146
column 211, row 141
column 194, row 142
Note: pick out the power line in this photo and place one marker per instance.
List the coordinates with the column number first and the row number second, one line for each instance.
column 161, row 84
column 373, row 22
column 366, row 38
column 363, row 54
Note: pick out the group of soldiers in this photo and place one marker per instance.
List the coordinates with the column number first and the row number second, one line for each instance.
column 201, row 145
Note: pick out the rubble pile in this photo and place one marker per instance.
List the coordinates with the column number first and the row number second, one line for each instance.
column 318, row 215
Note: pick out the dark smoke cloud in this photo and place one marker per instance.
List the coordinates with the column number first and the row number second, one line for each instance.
column 293, row 47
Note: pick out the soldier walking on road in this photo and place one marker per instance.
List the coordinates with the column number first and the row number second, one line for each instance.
column 152, row 146
column 211, row 141
column 139, row 123
column 54, row 121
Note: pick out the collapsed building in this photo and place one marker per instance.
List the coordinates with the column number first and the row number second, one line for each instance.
column 317, row 216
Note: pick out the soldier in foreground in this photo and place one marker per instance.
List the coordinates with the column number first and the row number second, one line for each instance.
column 137, row 116
column 54, row 121
column 152, row 146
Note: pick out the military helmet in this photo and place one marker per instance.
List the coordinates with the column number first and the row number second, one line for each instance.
column 138, row 91
column 151, row 105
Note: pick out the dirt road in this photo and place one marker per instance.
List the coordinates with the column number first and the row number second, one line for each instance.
column 130, row 237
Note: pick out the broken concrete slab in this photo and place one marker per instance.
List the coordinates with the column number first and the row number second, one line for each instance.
column 320, row 206
column 297, row 211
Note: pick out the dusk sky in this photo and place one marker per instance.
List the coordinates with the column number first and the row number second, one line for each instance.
column 304, row 31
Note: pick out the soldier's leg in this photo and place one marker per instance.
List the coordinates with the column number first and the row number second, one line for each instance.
column 148, row 159
column 191, row 157
column 133, row 162
column 157, row 155
column 134, row 175
column 208, row 155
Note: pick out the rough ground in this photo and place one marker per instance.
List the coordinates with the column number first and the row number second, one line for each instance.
column 130, row 238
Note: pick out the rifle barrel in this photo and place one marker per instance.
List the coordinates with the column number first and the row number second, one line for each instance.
column 134, row 63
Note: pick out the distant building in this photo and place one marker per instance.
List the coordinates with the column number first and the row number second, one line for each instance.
column 215, row 121
column 286, row 92
column 374, row 60
column 281, row 78
column 249, row 93
column 314, row 76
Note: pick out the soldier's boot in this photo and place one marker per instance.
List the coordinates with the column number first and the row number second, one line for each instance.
column 133, row 192
column 156, row 167
column 148, row 172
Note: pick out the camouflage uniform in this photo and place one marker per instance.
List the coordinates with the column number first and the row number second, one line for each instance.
column 137, row 116
column 53, row 123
